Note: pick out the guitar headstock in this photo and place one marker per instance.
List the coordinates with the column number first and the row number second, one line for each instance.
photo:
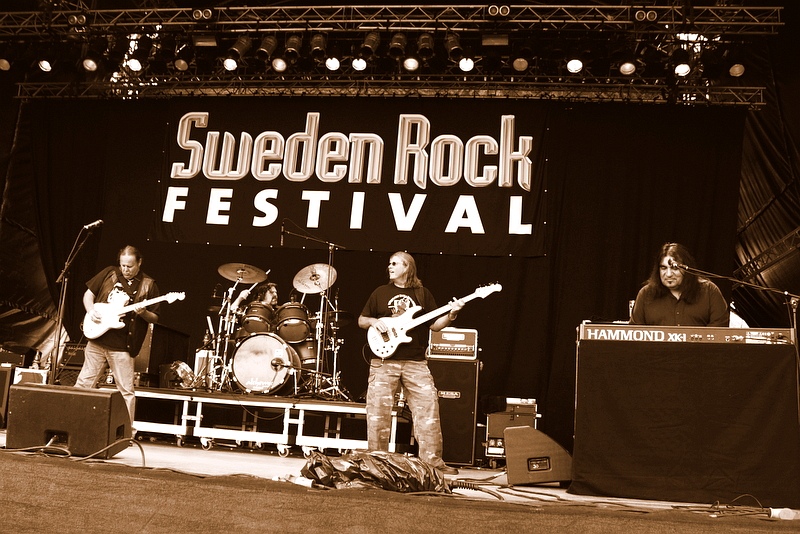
column 172, row 297
column 485, row 291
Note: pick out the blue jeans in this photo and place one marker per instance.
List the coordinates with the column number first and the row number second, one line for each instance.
column 385, row 376
column 121, row 364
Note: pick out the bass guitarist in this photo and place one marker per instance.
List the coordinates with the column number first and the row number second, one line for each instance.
column 407, row 366
column 113, row 288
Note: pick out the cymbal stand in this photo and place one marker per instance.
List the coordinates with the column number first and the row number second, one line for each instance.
column 333, row 346
column 219, row 370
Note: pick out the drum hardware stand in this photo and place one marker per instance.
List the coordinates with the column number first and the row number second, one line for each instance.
column 322, row 279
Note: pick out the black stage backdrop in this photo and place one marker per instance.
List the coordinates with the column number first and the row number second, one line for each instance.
column 611, row 184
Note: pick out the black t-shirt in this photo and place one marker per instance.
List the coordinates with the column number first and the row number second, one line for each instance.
column 391, row 301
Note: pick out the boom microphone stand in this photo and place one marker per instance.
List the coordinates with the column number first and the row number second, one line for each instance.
column 63, row 279
column 791, row 299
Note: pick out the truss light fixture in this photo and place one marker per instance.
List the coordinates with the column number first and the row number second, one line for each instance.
column 425, row 46
column 370, row 45
column 452, row 43
column 466, row 64
column 183, row 57
column 359, row 64
column 397, row 46
column 202, row 14
column 267, row 47
column 679, row 59
column 319, row 44
column 237, row 52
column 5, row 65
column 291, row 51
column 575, row 65
column 411, row 63
column 279, row 64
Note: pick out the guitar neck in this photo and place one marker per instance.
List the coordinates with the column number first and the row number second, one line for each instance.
column 435, row 313
column 125, row 309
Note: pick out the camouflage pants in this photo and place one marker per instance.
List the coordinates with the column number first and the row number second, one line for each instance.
column 385, row 378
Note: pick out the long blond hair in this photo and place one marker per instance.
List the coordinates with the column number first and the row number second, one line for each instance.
column 412, row 280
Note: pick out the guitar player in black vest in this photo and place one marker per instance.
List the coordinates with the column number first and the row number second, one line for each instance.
column 404, row 363
column 108, row 291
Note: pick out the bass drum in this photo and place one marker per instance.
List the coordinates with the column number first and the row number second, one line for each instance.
column 291, row 320
column 263, row 363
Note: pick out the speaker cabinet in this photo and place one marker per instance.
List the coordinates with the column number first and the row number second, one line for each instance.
column 6, row 379
column 457, row 382
column 85, row 421
column 534, row 458
column 161, row 346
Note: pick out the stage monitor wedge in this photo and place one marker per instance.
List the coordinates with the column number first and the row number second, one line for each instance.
column 84, row 421
column 532, row 457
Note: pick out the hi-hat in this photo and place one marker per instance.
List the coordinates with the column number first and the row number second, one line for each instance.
column 315, row 278
column 241, row 272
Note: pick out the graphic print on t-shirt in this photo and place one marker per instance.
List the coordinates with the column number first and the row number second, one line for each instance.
column 399, row 304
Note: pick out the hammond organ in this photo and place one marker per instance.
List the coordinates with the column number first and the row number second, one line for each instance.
column 684, row 334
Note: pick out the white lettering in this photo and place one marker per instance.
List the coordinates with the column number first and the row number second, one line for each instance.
column 172, row 204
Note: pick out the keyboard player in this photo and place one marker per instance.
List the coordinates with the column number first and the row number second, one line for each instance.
column 672, row 296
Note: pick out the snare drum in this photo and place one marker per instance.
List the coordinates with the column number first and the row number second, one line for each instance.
column 263, row 363
column 291, row 322
column 257, row 318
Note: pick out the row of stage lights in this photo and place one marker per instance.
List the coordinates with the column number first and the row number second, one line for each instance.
column 410, row 52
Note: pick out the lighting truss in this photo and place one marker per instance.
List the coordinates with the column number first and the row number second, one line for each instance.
column 655, row 25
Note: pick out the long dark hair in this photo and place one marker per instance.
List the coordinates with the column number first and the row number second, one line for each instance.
column 412, row 280
column 690, row 284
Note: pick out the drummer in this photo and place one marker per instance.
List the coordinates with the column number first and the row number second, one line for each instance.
column 266, row 294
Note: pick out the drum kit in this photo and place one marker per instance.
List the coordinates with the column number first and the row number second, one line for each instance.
column 270, row 349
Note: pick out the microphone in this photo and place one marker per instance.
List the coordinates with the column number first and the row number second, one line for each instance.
column 277, row 364
column 676, row 265
column 282, row 229
column 93, row 225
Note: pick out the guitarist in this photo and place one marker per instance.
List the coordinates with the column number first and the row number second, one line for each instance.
column 118, row 286
column 407, row 367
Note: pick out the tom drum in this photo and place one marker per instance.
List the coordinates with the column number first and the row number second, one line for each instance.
column 292, row 322
column 263, row 363
column 257, row 318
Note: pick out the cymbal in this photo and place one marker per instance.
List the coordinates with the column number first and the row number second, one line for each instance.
column 241, row 272
column 338, row 317
column 315, row 278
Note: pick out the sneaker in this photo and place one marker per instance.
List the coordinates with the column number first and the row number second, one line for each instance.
column 447, row 470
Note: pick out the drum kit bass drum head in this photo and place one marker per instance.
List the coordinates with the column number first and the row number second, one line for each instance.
column 262, row 349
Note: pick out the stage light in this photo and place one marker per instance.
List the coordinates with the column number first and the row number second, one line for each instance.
column 736, row 70
column 332, row 64
column 575, row 65
column 140, row 47
column 268, row 46
column 279, row 64
column 90, row 62
column 359, row 64
column 291, row 51
column 627, row 68
column 521, row 55
column 318, row 46
column 370, row 44
column 679, row 59
column 397, row 46
column 5, row 65
column 202, row 14
column 452, row 43
column 237, row 52
column 466, row 64
column 183, row 57
column 45, row 65
column 425, row 46
column 411, row 63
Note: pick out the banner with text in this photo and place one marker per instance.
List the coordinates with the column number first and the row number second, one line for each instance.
column 431, row 176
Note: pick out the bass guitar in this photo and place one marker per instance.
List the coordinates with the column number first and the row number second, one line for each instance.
column 111, row 315
column 384, row 344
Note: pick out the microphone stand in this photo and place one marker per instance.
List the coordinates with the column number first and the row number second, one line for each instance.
column 792, row 300
column 63, row 279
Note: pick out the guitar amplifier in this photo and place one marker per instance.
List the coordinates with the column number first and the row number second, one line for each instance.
column 453, row 344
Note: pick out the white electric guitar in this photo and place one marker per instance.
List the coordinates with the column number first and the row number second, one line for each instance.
column 111, row 314
column 384, row 344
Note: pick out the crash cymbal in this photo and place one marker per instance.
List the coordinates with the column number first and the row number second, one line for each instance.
column 241, row 272
column 315, row 278
column 338, row 317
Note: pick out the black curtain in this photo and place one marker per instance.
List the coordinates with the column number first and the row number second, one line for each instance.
column 621, row 180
